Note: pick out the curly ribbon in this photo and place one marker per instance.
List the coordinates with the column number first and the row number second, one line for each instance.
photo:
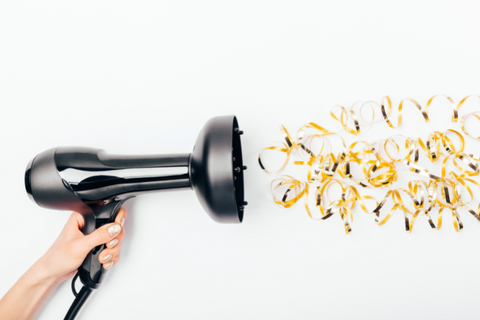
column 386, row 107
column 475, row 114
column 378, row 162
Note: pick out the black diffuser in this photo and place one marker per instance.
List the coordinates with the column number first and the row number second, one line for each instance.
column 96, row 184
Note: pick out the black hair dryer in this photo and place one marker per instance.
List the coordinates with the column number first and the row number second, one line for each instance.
column 96, row 184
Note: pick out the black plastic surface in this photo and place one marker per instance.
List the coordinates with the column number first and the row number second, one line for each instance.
column 91, row 272
column 78, row 303
column 102, row 173
column 212, row 169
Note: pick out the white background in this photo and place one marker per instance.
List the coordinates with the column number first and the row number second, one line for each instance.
column 144, row 76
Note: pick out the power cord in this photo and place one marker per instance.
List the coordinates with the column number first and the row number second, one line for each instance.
column 80, row 299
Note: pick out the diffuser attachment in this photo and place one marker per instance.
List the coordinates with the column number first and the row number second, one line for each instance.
column 216, row 170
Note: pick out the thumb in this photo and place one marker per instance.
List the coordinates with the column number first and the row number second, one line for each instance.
column 102, row 235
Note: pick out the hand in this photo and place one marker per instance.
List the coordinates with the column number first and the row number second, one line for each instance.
column 72, row 246
column 59, row 263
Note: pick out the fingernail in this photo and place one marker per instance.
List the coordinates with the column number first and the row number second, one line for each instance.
column 106, row 258
column 108, row 265
column 122, row 221
column 114, row 229
column 113, row 243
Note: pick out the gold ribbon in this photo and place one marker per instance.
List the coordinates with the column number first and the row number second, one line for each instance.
column 386, row 108
column 378, row 164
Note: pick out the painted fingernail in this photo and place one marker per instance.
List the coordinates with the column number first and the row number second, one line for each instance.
column 113, row 243
column 122, row 221
column 108, row 265
column 114, row 229
column 106, row 258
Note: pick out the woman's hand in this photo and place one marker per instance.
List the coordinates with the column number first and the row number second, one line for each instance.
column 72, row 246
column 59, row 263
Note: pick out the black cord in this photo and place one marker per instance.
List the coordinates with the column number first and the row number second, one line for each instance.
column 77, row 304
column 73, row 285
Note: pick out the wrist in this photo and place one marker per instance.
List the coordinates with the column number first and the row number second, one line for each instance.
column 26, row 297
column 44, row 274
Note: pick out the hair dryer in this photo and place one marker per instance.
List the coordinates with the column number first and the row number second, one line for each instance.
column 96, row 184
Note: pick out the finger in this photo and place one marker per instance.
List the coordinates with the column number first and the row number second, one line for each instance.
column 109, row 254
column 102, row 235
column 121, row 216
column 111, row 263
column 75, row 221
column 117, row 240
column 114, row 243
column 74, row 225
column 79, row 219
column 121, row 235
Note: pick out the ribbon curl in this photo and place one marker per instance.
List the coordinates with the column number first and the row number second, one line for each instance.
column 378, row 162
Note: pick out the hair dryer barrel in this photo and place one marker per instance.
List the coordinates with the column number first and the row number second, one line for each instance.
column 57, row 176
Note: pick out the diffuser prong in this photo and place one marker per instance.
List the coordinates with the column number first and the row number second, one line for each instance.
column 237, row 130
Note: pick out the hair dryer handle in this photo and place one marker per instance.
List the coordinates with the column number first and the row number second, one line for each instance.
column 91, row 272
